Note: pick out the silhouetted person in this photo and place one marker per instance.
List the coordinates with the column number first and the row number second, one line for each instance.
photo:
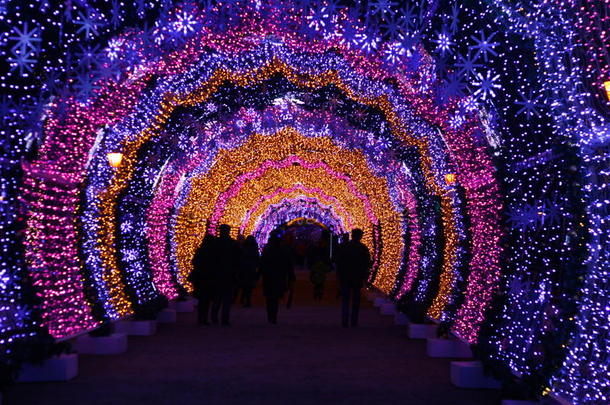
column 203, row 277
column 287, row 242
column 247, row 275
column 276, row 271
column 228, row 261
column 353, row 265
column 319, row 264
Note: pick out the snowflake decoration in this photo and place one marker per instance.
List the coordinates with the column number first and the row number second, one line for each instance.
column 394, row 52
column 382, row 7
column 384, row 142
column 114, row 47
column 26, row 40
column 368, row 41
column 126, row 227
column 456, row 120
column 455, row 13
column 332, row 6
column 408, row 17
column 87, row 55
column 468, row 65
column 484, row 45
column 22, row 61
column 554, row 212
column 87, row 23
column 518, row 218
column 318, row 18
column 486, row 85
column 109, row 70
column 529, row 105
column 444, row 42
column 130, row 255
column 141, row 10
column 469, row 104
column 117, row 12
column 150, row 172
column 409, row 41
column 85, row 84
column 211, row 108
column 349, row 36
column 391, row 28
column 185, row 23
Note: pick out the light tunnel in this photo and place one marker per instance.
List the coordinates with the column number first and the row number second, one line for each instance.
column 316, row 121
column 480, row 215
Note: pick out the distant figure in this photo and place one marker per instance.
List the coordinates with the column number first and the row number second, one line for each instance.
column 203, row 277
column 287, row 242
column 353, row 266
column 228, row 261
column 277, row 272
column 319, row 264
column 247, row 275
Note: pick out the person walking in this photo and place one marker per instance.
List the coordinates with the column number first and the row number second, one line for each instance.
column 353, row 266
column 248, row 271
column 320, row 264
column 276, row 272
column 228, row 261
column 203, row 278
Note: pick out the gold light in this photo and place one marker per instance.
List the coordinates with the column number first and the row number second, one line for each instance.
column 450, row 179
column 114, row 158
column 607, row 87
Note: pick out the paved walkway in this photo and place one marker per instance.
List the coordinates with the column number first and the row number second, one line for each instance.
column 306, row 359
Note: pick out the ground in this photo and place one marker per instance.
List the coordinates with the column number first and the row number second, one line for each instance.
column 308, row 358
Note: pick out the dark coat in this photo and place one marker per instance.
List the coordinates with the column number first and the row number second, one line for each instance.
column 276, row 270
column 353, row 264
column 228, row 261
column 204, row 267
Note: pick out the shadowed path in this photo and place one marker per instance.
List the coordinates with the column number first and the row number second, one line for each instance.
column 306, row 359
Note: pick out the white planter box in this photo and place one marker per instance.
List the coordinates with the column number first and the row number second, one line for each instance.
column 183, row 306
column 57, row 368
column 113, row 344
column 401, row 319
column 167, row 316
column 452, row 348
column 388, row 309
column 421, row 330
column 136, row 328
column 469, row 374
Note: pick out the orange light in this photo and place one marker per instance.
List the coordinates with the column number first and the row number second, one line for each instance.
column 115, row 159
column 607, row 87
column 450, row 179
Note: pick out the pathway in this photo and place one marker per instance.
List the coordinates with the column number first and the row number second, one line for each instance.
column 306, row 359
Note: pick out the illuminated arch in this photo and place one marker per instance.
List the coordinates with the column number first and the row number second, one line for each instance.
column 413, row 122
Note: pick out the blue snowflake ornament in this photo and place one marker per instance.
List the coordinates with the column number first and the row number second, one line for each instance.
column 484, row 45
column 529, row 105
column 487, row 85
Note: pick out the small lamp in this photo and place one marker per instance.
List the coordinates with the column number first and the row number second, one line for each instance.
column 115, row 159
